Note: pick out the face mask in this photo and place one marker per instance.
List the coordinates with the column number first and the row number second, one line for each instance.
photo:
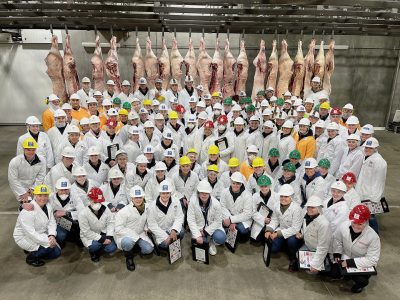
column 221, row 127
column 60, row 124
column 81, row 181
column 95, row 206
column 63, row 197
column 53, row 107
column 191, row 125
column 217, row 112
column 252, row 156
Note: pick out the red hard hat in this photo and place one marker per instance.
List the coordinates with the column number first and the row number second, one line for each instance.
column 111, row 123
column 349, row 178
column 209, row 124
column 360, row 214
column 180, row 109
column 96, row 195
column 336, row 111
column 222, row 120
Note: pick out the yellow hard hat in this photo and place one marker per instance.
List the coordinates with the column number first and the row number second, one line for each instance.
column 192, row 150
column 161, row 98
column 173, row 115
column 212, row 168
column 213, row 150
column 184, row 160
column 258, row 162
column 215, row 94
column 41, row 190
column 147, row 102
column 325, row 105
column 233, row 162
column 123, row 112
column 29, row 143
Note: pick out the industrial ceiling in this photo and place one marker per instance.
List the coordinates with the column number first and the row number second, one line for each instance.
column 344, row 17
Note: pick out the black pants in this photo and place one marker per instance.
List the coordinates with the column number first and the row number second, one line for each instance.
column 361, row 280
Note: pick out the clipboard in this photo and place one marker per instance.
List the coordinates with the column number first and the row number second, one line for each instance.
column 112, row 151
column 231, row 240
column 267, row 253
column 358, row 271
column 264, row 210
column 174, row 251
column 305, row 257
column 377, row 207
column 200, row 253
column 64, row 223
column 222, row 143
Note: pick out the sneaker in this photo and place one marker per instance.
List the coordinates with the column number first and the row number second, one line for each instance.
column 213, row 249
column 34, row 261
column 94, row 256
column 293, row 266
column 356, row 289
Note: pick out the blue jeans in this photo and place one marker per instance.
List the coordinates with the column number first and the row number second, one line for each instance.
column 373, row 223
column 96, row 246
column 291, row 243
column 181, row 234
column 61, row 234
column 241, row 229
column 127, row 244
column 219, row 237
column 47, row 253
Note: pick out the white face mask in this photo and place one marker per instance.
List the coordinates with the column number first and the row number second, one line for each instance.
column 60, row 124
column 191, row 125
column 95, row 206
column 54, row 107
column 221, row 127
column 217, row 112
column 63, row 196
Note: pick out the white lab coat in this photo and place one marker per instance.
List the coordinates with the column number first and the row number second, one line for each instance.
column 22, row 176
column 74, row 204
column 296, row 187
column 55, row 173
column 285, row 146
column 84, row 97
column 352, row 198
column 121, row 197
column 151, row 190
column 133, row 150
column 258, row 218
column 239, row 211
column 152, row 94
column 189, row 140
column 99, row 177
column 44, row 147
column 226, row 154
column 350, row 162
column 159, row 151
column 196, row 221
column 33, row 228
column 372, row 178
column 185, row 189
column 253, row 186
column 255, row 138
column 130, row 223
column 332, row 151
column 80, row 151
column 290, row 222
column 132, row 178
column 184, row 97
column 178, row 134
column 56, row 138
column 240, row 145
column 106, row 141
column 160, row 223
column 336, row 214
column 317, row 237
column 91, row 140
column 201, row 145
column 217, row 189
column 91, row 227
column 321, row 142
column 365, row 249
column 222, row 167
column 328, row 180
column 139, row 95
column 154, row 140
column 77, row 191
column 315, row 188
column 268, row 143
column 106, row 95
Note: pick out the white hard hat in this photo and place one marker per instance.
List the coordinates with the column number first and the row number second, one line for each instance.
column 155, row 102
column 323, row 95
column 148, row 149
column 204, row 187
column 269, row 124
column 207, row 97
column 252, row 149
column 288, row 101
column 85, row 80
column 167, row 134
column 66, row 106
column 238, row 121
column 173, row 81
column 158, row 80
column 143, row 80
column 367, row 129
column 165, row 187
column 136, row 192
column 288, row 124
column 286, row 190
column 94, row 120
column 202, row 115
column 112, row 112
column 309, row 100
column 141, row 159
column 143, row 111
column 305, row 121
column 115, row 173
column 84, row 121
column 316, row 79
column 236, row 107
column 348, row 106
column 320, row 124
column 79, row 171
column 300, row 108
column 267, row 112
column 63, row 184
column 254, row 118
column 32, row 120
column 160, row 166
column 75, row 96
column 93, row 151
column 148, row 124
column 313, row 201
column 192, row 100
column 133, row 130
column 297, row 101
column 73, row 129
column 126, row 83
column 332, row 126
column 159, row 116
column 264, row 102
column 192, row 118
column 133, row 115
column 107, row 102
column 59, row 113
column 217, row 106
column 110, row 82
column 287, row 94
column 68, row 152
column 174, row 100
column 270, row 88
column 237, row 177
column 352, row 120
column 120, row 152
column 134, row 99
column 310, row 163
column 91, row 100
column 339, row 185
column 314, row 114
column 53, row 97
column 188, row 78
column 273, row 99
column 201, row 104
column 354, row 137
column 169, row 153
column 282, row 115
column 242, row 94
column 371, row 143
column 200, row 87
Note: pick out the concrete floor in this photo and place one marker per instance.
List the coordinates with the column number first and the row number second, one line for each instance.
column 229, row 276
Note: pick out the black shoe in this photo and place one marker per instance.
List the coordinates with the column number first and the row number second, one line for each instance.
column 356, row 289
column 62, row 244
column 94, row 256
column 130, row 264
column 293, row 266
column 34, row 261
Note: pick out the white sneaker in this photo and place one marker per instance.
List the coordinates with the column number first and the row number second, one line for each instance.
column 212, row 250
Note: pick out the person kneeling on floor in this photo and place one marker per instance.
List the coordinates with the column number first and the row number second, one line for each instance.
column 205, row 218
column 96, row 222
column 36, row 229
column 131, row 227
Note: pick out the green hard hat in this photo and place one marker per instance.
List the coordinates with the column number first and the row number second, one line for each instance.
column 289, row 167
column 279, row 102
column 324, row 163
column 264, row 181
column 250, row 108
column 228, row 101
column 116, row 100
column 261, row 93
column 248, row 100
column 273, row 152
column 127, row 105
column 316, row 108
column 295, row 154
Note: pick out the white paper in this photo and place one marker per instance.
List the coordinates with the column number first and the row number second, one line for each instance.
column 175, row 251
column 305, row 258
column 231, row 237
column 200, row 254
column 360, row 270
column 64, row 223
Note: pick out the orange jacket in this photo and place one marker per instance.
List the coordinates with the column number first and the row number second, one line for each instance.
column 47, row 119
column 246, row 169
column 80, row 114
column 306, row 146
